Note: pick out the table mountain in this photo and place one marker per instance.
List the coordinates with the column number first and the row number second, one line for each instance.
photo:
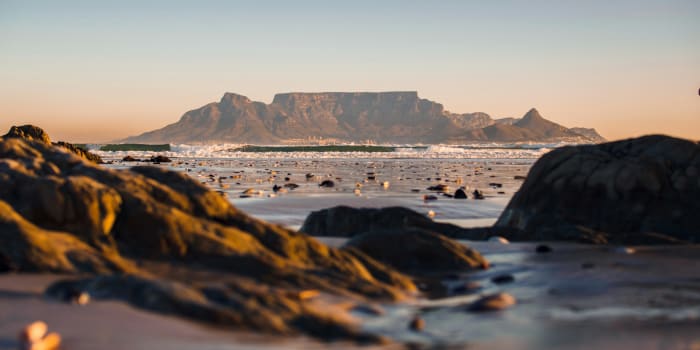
column 384, row 117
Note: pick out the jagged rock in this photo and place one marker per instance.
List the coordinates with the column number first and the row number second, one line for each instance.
column 637, row 191
column 35, row 133
column 29, row 132
column 61, row 213
column 159, row 159
column 327, row 184
column 129, row 159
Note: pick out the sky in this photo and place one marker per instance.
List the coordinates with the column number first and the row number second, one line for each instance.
column 93, row 71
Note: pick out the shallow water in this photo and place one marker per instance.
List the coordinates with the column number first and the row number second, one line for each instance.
column 577, row 296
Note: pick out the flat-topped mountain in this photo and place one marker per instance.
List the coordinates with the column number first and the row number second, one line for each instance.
column 382, row 117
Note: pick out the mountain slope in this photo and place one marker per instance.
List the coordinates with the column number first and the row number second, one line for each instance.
column 384, row 117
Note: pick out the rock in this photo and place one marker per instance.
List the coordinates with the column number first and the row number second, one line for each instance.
column 495, row 185
column 35, row 133
column 34, row 337
column 60, row 213
column 29, row 132
column 327, row 184
column 625, row 192
column 81, row 152
column 429, row 197
column 439, row 188
column 542, row 248
column 493, row 302
column 129, row 159
column 460, row 194
column 416, row 250
column 498, row 239
column 478, row 194
column 159, row 159
column 343, row 221
column 519, row 177
column 291, row 186
column 417, row 324
column 33, row 332
column 501, row 279
column 309, row 176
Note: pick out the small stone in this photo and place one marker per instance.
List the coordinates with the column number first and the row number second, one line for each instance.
column 498, row 239
column 500, row 279
column 542, row 248
column 478, row 194
column 33, row 332
column 417, row 324
column 460, row 194
column 327, row 184
column 431, row 214
column 493, row 302
column 429, row 197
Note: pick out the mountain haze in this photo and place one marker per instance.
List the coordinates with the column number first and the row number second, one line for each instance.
column 382, row 117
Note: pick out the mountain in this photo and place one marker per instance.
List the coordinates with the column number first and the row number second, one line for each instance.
column 382, row 117
column 590, row 133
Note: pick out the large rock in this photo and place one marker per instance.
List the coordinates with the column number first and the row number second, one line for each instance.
column 61, row 213
column 343, row 221
column 636, row 191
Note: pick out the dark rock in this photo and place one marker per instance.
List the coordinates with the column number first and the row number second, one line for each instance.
column 417, row 324
column 501, row 279
column 429, row 197
column 327, row 184
column 130, row 159
column 542, row 248
column 343, row 221
column 159, row 159
column 636, row 191
column 276, row 188
column 438, row 188
column 416, row 250
column 291, row 186
column 309, row 176
column 81, row 152
column 478, row 194
column 29, row 132
column 496, row 185
column 519, row 177
column 460, row 194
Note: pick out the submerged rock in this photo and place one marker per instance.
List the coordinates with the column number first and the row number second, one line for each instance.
column 637, row 191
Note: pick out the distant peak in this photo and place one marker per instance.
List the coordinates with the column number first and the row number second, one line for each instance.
column 233, row 98
column 532, row 114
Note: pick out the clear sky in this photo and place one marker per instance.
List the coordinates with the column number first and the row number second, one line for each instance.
column 102, row 70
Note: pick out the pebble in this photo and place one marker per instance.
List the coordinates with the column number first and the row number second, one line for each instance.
column 542, row 248
column 327, row 184
column 431, row 214
column 34, row 337
column 624, row 250
column 417, row 324
column 429, row 197
column 498, row 239
column 478, row 194
column 493, row 302
column 500, row 279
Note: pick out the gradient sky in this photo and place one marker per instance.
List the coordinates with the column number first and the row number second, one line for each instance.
column 91, row 71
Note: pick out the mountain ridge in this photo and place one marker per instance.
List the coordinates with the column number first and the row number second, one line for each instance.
column 379, row 117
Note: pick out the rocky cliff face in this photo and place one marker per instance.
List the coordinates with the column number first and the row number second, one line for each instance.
column 398, row 117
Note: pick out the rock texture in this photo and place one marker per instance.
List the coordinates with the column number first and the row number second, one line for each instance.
column 61, row 213
column 35, row 133
column 400, row 117
column 642, row 190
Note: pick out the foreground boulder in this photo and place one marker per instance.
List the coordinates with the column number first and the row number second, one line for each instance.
column 164, row 232
column 35, row 133
column 636, row 191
